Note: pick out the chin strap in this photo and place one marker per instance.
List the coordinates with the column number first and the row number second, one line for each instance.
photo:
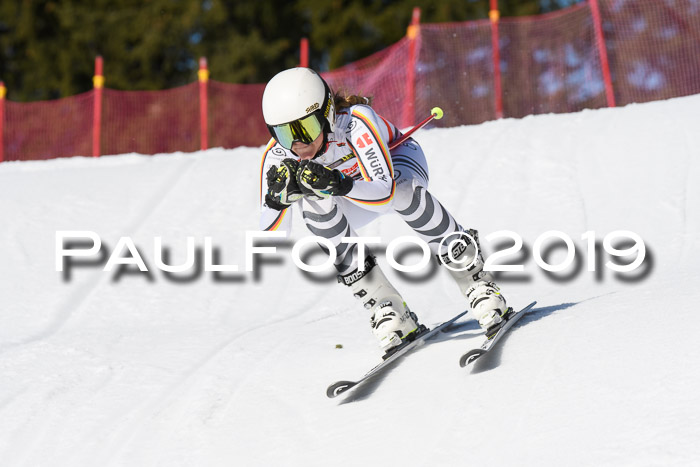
column 324, row 146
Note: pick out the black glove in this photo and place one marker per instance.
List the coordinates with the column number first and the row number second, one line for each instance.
column 319, row 182
column 282, row 188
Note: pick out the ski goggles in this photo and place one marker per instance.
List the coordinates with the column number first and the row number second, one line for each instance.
column 304, row 130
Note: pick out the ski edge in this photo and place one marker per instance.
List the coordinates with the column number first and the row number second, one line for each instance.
column 336, row 389
column 472, row 355
column 339, row 387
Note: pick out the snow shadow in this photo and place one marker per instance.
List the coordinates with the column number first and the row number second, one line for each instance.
column 492, row 359
column 366, row 389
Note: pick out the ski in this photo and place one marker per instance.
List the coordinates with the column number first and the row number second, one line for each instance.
column 511, row 318
column 341, row 387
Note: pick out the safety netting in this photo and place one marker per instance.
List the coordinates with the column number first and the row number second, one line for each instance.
column 653, row 48
column 150, row 122
column 235, row 115
column 382, row 76
column 48, row 129
column 455, row 72
column 547, row 63
column 551, row 65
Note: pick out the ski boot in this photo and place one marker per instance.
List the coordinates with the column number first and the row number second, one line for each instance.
column 393, row 324
column 484, row 296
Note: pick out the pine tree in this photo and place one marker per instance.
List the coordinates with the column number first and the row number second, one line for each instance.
column 47, row 47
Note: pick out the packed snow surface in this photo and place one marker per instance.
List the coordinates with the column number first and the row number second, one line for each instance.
column 197, row 368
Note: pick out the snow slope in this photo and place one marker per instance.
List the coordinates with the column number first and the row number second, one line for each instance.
column 125, row 368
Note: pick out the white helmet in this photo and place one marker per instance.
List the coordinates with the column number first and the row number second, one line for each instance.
column 297, row 106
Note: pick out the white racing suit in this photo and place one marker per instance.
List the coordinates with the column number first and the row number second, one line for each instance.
column 384, row 181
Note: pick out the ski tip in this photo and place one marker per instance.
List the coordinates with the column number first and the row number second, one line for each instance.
column 470, row 357
column 338, row 388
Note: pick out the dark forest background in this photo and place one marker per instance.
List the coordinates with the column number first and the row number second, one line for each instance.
column 47, row 48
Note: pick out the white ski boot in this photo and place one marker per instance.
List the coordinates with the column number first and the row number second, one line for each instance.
column 484, row 296
column 392, row 322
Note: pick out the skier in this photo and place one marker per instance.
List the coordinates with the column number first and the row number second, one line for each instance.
column 329, row 153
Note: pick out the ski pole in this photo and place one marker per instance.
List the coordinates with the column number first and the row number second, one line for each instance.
column 435, row 113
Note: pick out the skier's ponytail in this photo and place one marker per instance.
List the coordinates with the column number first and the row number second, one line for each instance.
column 343, row 100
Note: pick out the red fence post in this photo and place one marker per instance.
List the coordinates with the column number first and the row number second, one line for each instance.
column 413, row 34
column 304, row 52
column 495, row 16
column 203, row 75
column 98, row 82
column 3, row 91
column 602, row 51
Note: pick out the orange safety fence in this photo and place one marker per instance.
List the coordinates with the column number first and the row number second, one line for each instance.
column 595, row 54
